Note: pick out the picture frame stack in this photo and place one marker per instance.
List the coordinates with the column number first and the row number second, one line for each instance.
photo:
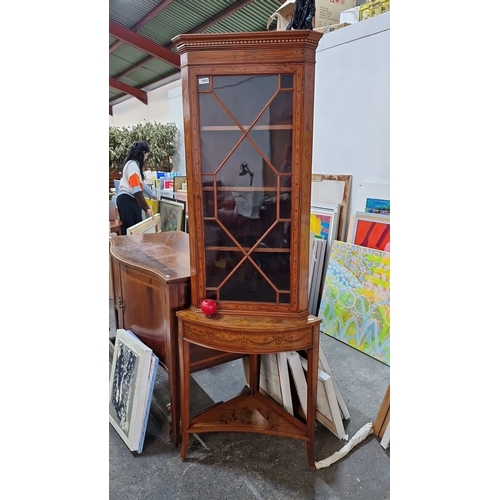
column 172, row 214
column 324, row 224
column 317, row 257
column 283, row 376
column 133, row 374
column 333, row 188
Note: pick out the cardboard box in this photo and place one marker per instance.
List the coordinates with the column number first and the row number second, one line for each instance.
column 373, row 8
column 365, row 11
column 327, row 13
column 376, row 8
column 331, row 27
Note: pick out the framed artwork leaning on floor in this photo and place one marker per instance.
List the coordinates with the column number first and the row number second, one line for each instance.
column 355, row 303
column 172, row 215
column 149, row 225
column 370, row 230
column 325, row 222
column 130, row 388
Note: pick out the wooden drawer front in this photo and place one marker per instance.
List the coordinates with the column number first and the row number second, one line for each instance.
column 255, row 342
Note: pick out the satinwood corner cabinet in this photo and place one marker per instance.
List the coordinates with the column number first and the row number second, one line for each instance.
column 248, row 115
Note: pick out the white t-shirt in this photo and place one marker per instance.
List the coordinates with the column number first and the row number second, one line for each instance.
column 131, row 181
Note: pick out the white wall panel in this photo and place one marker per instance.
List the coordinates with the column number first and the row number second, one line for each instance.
column 352, row 105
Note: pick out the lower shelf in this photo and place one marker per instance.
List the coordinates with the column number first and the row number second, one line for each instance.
column 247, row 413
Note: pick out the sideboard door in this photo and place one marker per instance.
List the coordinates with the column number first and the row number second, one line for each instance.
column 144, row 308
column 117, row 292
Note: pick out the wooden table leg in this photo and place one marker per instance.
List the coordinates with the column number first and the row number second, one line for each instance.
column 184, row 361
column 254, row 378
column 312, row 390
column 173, row 387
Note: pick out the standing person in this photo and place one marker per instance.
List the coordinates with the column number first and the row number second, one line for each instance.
column 130, row 199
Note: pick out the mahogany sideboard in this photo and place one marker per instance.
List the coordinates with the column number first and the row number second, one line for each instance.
column 151, row 281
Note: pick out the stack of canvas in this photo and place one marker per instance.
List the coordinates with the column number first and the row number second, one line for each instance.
column 330, row 406
column 131, row 384
column 324, row 223
column 317, row 257
column 275, row 381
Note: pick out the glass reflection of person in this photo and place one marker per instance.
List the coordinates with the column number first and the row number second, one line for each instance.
column 248, row 203
column 286, row 168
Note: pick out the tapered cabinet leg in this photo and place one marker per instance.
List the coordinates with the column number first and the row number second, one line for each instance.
column 185, row 392
column 173, row 387
column 254, row 360
column 312, row 390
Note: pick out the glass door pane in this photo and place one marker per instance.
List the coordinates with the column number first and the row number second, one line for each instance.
column 246, row 142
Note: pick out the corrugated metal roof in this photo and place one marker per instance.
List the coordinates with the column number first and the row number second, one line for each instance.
column 159, row 21
column 180, row 17
column 253, row 17
column 128, row 54
column 129, row 12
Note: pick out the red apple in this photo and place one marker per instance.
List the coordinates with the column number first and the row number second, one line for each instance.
column 208, row 306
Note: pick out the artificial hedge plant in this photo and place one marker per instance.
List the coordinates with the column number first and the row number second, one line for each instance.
column 161, row 138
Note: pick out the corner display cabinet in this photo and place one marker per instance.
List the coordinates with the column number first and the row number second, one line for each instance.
column 248, row 115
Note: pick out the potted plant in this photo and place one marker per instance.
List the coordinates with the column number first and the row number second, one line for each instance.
column 161, row 139
column 119, row 143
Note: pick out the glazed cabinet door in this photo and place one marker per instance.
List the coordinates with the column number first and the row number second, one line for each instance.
column 246, row 143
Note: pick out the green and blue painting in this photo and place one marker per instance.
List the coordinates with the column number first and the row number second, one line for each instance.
column 355, row 306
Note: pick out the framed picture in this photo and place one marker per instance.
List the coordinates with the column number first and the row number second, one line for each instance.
column 130, row 386
column 149, row 225
column 168, row 198
column 274, row 378
column 328, row 411
column 378, row 206
column 179, row 180
column 325, row 222
column 355, row 302
column 172, row 215
column 327, row 407
column 370, row 230
column 317, row 258
column 333, row 188
column 324, row 225
column 151, row 384
column 324, row 365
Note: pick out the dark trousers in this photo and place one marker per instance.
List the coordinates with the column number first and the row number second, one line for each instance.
column 129, row 210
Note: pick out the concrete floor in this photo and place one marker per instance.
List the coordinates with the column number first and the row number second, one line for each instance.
column 252, row 466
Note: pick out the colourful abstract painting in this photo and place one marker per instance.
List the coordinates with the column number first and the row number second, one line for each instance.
column 372, row 234
column 378, row 206
column 370, row 230
column 320, row 225
column 324, row 223
column 355, row 306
